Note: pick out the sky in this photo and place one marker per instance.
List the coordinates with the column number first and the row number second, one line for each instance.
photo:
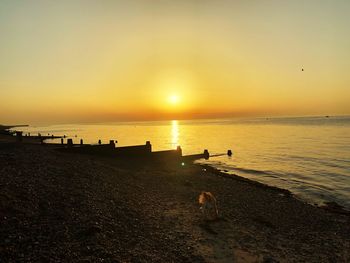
column 97, row 61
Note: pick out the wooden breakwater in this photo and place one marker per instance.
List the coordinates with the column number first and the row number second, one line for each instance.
column 130, row 152
column 34, row 138
column 6, row 129
column 111, row 150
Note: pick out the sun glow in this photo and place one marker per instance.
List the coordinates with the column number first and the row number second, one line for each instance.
column 173, row 90
column 173, row 99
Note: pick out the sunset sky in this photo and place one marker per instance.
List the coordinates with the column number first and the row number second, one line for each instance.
column 87, row 61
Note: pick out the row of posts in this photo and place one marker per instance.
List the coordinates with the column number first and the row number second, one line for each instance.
column 70, row 142
column 112, row 143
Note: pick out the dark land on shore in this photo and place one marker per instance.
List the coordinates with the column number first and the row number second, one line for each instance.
column 64, row 207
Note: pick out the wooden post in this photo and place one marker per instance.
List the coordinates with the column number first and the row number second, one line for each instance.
column 149, row 146
column 62, row 141
column 81, row 142
column 179, row 150
column 19, row 136
column 99, row 142
column 206, row 154
column 229, row 153
column 111, row 143
column 70, row 142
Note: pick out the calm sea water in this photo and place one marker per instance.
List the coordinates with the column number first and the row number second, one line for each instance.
column 308, row 156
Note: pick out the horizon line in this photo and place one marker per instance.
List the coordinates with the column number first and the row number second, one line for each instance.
column 179, row 119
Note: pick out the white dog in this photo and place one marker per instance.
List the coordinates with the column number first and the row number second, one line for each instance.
column 208, row 206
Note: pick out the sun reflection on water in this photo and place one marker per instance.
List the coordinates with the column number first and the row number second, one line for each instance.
column 174, row 133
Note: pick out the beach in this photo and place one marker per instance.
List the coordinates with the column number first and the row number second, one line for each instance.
column 60, row 207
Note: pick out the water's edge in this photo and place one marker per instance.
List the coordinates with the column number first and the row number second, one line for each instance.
column 332, row 207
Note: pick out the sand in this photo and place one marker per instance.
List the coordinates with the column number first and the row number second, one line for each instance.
column 59, row 207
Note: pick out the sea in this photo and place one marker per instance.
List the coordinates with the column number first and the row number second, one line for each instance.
column 310, row 156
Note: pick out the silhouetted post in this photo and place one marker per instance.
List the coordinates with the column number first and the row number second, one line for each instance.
column 81, row 142
column 62, row 141
column 111, row 143
column 179, row 150
column 70, row 142
column 19, row 136
column 99, row 142
column 229, row 153
column 149, row 146
column 206, row 154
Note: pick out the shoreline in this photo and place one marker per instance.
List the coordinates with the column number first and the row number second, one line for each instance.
column 329, row 202
column 319, row 198
column 332, row 207
column 59, row 206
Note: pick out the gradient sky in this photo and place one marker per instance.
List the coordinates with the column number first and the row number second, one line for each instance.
column 67, row 61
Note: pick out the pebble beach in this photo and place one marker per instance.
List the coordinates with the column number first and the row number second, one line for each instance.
column 60, row 207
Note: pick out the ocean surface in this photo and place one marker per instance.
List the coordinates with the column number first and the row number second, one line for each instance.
column 310, row 156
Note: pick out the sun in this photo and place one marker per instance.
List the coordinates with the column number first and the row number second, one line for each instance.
column 173, row 99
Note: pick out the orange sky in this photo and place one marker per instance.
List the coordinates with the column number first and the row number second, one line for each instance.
column 87, row 61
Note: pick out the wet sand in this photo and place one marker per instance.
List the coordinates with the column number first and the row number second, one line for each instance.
column 58, row 207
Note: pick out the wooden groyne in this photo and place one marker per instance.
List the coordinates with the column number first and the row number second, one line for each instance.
column 38, row 138
column 131, row 152
column 7, row 127
column 109, row 150
column 19, row 136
